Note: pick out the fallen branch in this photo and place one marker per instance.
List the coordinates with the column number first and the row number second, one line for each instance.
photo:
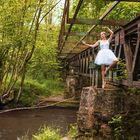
column 36, row 107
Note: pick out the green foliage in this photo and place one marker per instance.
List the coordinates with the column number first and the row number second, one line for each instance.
column 116, row 124
column 44, row 64
column 133, row 91
column 33, row 90
column 90, row 9
column 73, row 131
column 93, row 9
column 47, row 133
column 124, row 10
column 20, row 35
column 121, row 70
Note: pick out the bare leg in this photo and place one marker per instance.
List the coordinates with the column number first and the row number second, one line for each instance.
column 103, row 73
column 111, row 66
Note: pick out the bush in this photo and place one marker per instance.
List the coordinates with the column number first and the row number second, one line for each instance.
column 34, row 89
column 47, row 133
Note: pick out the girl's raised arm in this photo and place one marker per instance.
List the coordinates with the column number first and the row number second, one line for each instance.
column 91, row 45
column 111, row 34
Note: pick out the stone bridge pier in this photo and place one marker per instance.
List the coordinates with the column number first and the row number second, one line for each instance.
column 98, row 106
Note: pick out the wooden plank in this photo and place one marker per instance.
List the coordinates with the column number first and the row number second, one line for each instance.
column 85, row 56
column 129, row 60
column 81, row 33
column 132, row 24
column 119, row 53
column 117, row 39
column 136, row 50
column 122, row 40
column 88, row 59
column 82, row 62
column 86, row 62
column 79, row 63
column 99, row 22
column 136, row 60
column 135, row 84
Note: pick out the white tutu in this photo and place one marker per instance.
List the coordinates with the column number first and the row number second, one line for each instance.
column 105, row 56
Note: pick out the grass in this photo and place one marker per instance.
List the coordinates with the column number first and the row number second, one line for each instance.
column 48, row 133
column 34, row 90
column 45, row 133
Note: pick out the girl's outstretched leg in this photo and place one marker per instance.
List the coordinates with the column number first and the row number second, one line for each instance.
column 103, row 77
column 110, row 66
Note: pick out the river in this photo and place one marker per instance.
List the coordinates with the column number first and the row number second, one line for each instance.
column 18, row 123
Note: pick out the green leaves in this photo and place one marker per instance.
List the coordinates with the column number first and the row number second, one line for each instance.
column 124, row 10
column 47, row 133
column 22, row 33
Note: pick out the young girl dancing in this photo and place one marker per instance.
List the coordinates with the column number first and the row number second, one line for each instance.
column 105, row 56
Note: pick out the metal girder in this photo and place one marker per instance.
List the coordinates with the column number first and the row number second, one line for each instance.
column 94, row 22
column 63, row 23
column 74, row 17
column 100, row 19
column 80, row 33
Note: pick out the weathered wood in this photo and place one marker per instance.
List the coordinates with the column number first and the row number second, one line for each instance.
column 128, row 59
column 81, row 33
column 122, row 37
column 137, row 49
column 82, row 61
column 62, row 26
column 99, row 22
column 80, row 57
column 85, row 61
column 88, row 60
column 74, row 17
column 120, row 49
column 117, row 39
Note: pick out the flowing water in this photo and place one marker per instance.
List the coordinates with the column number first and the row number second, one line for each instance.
column 18, row 123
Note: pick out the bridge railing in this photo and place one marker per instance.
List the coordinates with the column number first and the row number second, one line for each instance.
column 126, row 46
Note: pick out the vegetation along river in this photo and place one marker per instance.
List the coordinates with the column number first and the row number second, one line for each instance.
column 18, row 123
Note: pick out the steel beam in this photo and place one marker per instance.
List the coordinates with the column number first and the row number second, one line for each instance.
column 94, row 22
column 100, row 19
column 74, row 17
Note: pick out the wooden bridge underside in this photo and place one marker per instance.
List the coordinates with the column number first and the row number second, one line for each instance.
column 125, row 44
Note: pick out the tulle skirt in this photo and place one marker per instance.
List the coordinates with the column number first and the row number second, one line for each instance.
column 105, row 56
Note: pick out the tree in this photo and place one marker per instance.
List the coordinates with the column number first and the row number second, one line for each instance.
column 19, row 30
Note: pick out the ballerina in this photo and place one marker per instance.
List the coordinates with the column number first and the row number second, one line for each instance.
column 105, row 56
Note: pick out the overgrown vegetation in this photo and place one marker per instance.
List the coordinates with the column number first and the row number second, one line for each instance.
column 45, row 133
column 35, row 91
column 121, row 70
column 48, row 133
column 73, row 131
column 116, row 124
column 28, row 50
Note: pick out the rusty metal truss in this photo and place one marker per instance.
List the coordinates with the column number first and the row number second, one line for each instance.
column 125, row 44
